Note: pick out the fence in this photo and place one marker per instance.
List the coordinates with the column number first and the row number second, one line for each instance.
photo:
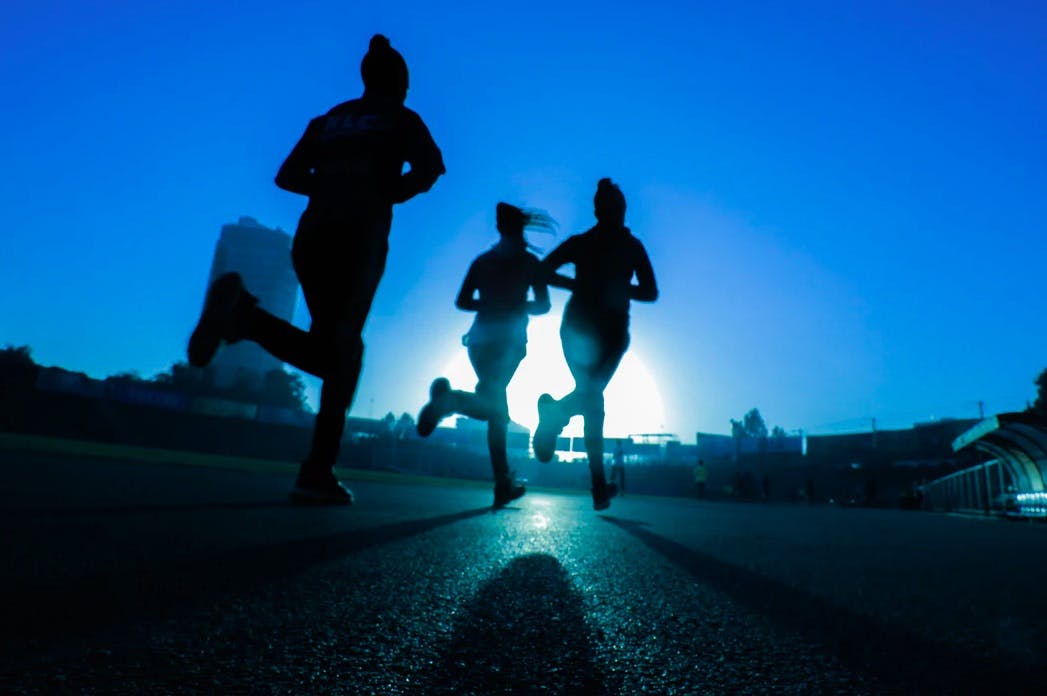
column 978, row 489
column 985, row 489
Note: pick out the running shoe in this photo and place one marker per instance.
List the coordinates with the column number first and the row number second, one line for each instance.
column 602, row 496
column 323, row 489
column 507, row 491
column 217, row 320
column 549, row 426
column 436, row 409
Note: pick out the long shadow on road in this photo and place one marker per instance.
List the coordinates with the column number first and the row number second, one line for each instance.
column 523, row 632
column 892, row 654
column 77, row 607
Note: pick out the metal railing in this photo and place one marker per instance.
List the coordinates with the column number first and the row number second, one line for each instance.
column 983, row 489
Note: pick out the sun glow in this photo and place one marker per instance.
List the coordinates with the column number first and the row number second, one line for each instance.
column 632, row 402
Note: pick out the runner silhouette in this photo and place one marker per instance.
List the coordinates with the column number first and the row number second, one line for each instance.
column 496, row 288
column 349, row 162
column 595, row 326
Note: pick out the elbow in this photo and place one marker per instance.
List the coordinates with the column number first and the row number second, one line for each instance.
column 290, row 183
column 650, row 291
column 427, row 181
column 427, row 178
column 645, row 294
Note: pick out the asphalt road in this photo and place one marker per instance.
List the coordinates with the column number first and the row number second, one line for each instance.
column 134, row 577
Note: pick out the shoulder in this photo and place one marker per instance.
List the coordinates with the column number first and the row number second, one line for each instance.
column 634, row 243
column 578, row 240
column 343, row 107
column 592, row 235
column 315, row 127
column 483, row 260
column 584, row 241
column 531, row 264
column 410, row 119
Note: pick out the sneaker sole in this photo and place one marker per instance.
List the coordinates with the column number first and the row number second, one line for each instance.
column 304, row 496
column 207, row 336
column 430, row 417
column 502, row 503
column 427, row 421
column 544, row 444
column 605, row 502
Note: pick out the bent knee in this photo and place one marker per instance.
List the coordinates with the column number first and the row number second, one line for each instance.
column 344, row 356
column 349, row 346
column 592, row 404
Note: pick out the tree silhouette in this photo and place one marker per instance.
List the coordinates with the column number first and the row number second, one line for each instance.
column 404, row 426
column 1040, row 405
column 751, row 425
column 128, row 377
column 276, row 388
column 284, row 389
column 188, row 380
column 18, row 370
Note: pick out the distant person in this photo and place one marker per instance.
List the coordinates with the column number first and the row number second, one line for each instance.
column 870, row 491
column 496, row 287
column 701, row 475
column 595, row 326
column 618, row 468
column 349, row 162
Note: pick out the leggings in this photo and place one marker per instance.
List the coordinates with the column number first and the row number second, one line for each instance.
column 495, row 363
column 593, row 352
column 339, row 263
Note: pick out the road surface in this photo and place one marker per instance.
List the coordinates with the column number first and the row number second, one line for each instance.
column 125, row 575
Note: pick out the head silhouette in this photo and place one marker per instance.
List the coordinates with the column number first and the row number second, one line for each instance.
column 384, row 70
column 609, row 203
column 513, row 221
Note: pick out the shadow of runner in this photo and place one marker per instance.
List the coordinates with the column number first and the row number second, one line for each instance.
column 891, row 654
column 523, row 632
column 86, row 604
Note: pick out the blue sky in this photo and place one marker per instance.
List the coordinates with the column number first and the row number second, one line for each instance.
column 844, row 205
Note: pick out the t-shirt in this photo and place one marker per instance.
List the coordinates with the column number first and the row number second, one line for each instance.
column 354, row 156
column 605, row 259
column 502, row 276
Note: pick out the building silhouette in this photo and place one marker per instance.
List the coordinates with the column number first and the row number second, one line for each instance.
column 263, row 257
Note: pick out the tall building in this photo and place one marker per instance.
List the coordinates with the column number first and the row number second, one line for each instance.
column 263, row 257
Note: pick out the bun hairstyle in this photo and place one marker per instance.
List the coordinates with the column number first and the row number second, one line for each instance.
column 383, row 69
column 609, row 203
column 513, row 221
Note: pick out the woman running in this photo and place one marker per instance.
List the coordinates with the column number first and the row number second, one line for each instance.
column 496, row 288
column 349, row 162
column 595, row 327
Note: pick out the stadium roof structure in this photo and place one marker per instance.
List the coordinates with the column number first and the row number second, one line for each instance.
column 1019, row 441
